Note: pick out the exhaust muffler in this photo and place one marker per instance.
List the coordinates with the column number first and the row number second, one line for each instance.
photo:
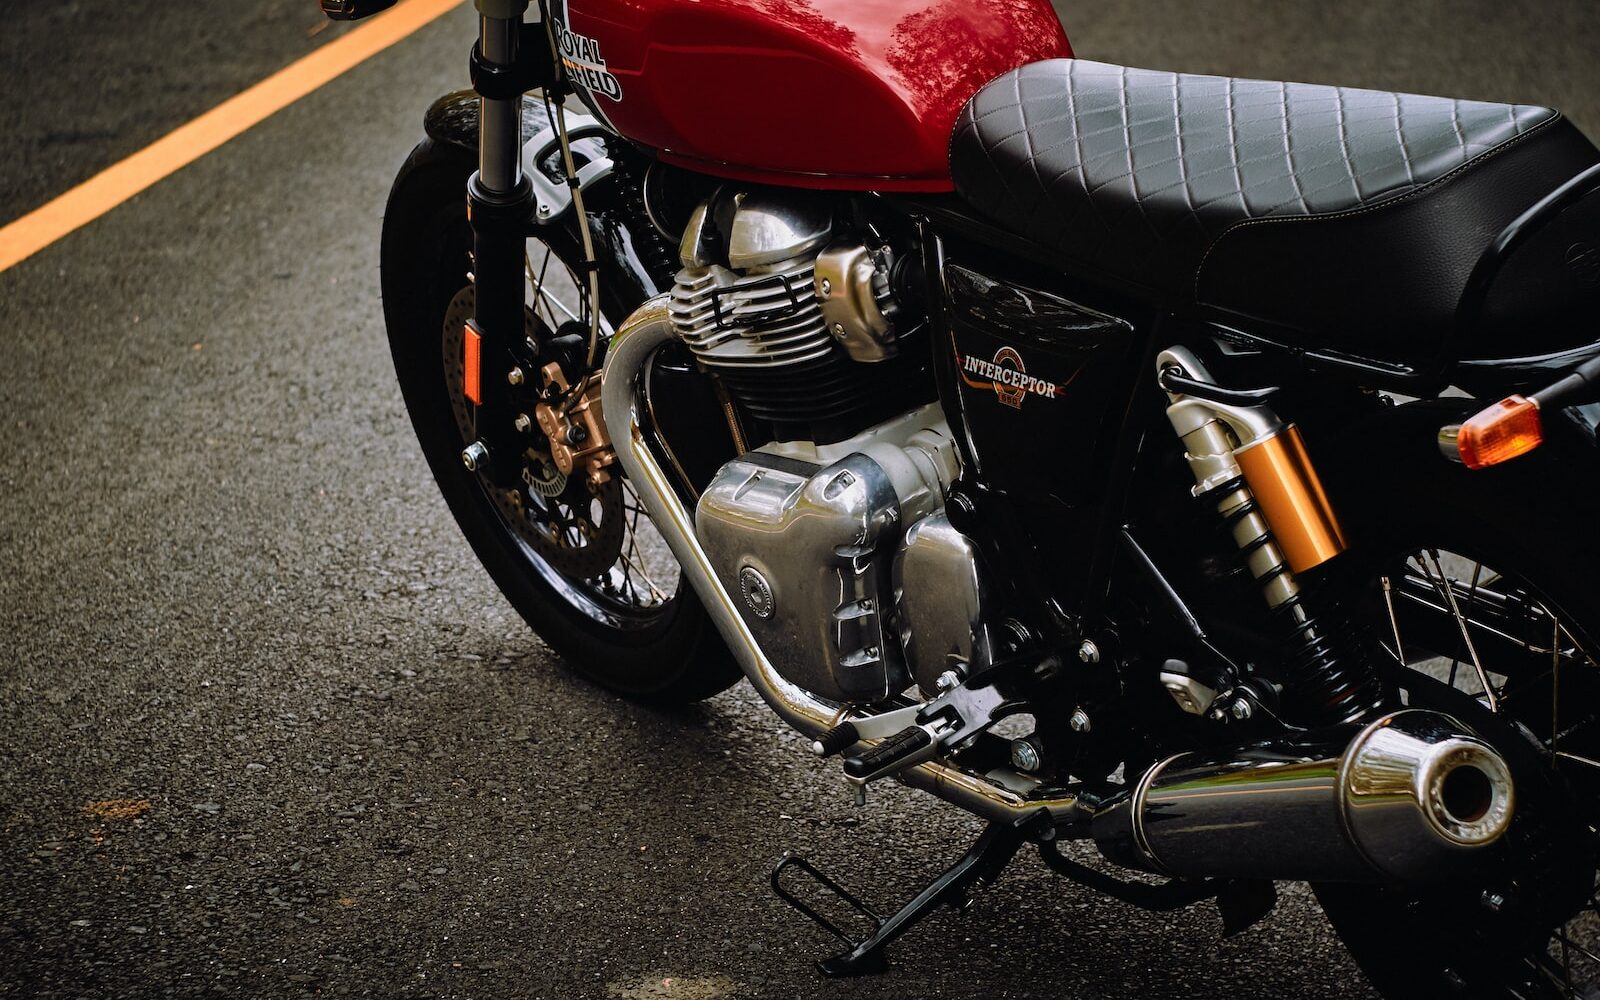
column 1409, row 798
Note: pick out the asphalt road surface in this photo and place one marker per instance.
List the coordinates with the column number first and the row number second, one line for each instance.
column 230, row 595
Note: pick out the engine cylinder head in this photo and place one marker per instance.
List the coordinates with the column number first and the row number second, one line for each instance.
column 746, row 304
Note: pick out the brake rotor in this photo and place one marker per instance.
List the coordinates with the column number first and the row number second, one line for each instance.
column 575, row 528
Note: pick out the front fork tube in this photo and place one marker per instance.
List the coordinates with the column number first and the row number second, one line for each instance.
column 499, row 204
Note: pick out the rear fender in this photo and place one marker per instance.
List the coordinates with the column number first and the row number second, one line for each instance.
column 1362, row 465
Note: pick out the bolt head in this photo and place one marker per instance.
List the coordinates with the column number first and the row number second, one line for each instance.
column 1492, row 900
column 1024, row 755
column 826, row 287
column 516, row 376
column 838, row 329
column 523, row 423
column 1079, row 722
column 475, row 456
column 948, row 680
column 1241, row 710
column 1088, row 652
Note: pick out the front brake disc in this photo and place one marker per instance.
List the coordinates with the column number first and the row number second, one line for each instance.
column 576, row 529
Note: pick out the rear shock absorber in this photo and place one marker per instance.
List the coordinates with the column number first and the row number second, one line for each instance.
column 1254, row 471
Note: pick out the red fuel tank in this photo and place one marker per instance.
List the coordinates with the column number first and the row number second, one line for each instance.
column 839, row 94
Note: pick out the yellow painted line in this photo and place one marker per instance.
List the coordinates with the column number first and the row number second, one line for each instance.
column 187, row 143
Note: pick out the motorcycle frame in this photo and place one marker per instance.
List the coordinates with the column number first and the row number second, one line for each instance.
column 1135, row 430
column 1054, row 610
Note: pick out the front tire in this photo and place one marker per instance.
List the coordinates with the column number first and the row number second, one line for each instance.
column 660, row 647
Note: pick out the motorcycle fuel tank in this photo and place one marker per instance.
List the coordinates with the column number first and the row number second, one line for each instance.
column 833, row 94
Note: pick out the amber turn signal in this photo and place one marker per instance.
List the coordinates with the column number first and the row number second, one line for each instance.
column 1500, row 433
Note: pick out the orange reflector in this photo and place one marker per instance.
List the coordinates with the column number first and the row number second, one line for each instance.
column 472, row 349
column 1500, row 433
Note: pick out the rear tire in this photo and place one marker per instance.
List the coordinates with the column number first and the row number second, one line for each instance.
column 672, row 654
column 1526, row 520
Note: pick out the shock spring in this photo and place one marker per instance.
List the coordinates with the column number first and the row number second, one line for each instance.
column 1327, row 677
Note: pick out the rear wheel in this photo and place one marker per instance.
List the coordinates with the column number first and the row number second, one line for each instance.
column 1483, row 583
column 583, row 565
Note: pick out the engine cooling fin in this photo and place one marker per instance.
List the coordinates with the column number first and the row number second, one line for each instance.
column 748, row 303
column 763, row 334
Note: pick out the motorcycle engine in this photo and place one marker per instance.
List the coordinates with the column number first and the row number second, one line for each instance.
column 798, row 327
column 830, row 539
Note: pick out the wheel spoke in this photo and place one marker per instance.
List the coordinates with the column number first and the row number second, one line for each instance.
column 633, row 549
column 1490, row 622
column 594, row 563
column 1448, row 593
column 1567, row 942
column 538, row 283
column 1576, row 759
column 1555, row 685
column 1394, row 622
column 542, row 296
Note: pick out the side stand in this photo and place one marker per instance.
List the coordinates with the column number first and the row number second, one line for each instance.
column 981, row 865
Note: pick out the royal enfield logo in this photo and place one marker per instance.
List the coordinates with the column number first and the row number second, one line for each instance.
column 586, row 67
column 1009, row 378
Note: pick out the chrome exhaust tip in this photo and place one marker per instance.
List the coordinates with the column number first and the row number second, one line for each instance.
column 1411, row 797
column 1418, row 790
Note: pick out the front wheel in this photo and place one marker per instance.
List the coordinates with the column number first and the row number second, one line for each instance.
column 583, row 565
column 1479, row 588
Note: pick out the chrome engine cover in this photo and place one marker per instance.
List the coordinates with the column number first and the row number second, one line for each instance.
column 941, row 603
column 804, row 538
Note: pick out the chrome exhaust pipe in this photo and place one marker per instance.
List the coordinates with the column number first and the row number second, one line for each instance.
column 625, row 412
column 1409, row 798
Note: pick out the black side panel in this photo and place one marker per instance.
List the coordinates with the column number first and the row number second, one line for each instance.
column 1039, row 375
column 1041, row 385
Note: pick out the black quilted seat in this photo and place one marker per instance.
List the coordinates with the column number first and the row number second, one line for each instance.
column 1344, row 217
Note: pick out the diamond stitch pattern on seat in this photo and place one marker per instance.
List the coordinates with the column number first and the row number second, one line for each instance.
column 1169, row 181
column 1139, row 169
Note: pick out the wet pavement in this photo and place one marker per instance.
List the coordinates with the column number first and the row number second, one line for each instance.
column 265, row 726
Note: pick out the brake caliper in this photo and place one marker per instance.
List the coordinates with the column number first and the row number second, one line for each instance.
column 572, row 421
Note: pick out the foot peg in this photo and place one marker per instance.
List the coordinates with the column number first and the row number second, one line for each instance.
column 911, row 735
column 981, row 865
column 911, row 745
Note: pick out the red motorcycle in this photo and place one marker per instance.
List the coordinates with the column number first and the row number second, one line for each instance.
column 1067, row 440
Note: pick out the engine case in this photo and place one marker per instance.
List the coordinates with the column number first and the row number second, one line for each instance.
column 942, row 603
column 804, row 537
